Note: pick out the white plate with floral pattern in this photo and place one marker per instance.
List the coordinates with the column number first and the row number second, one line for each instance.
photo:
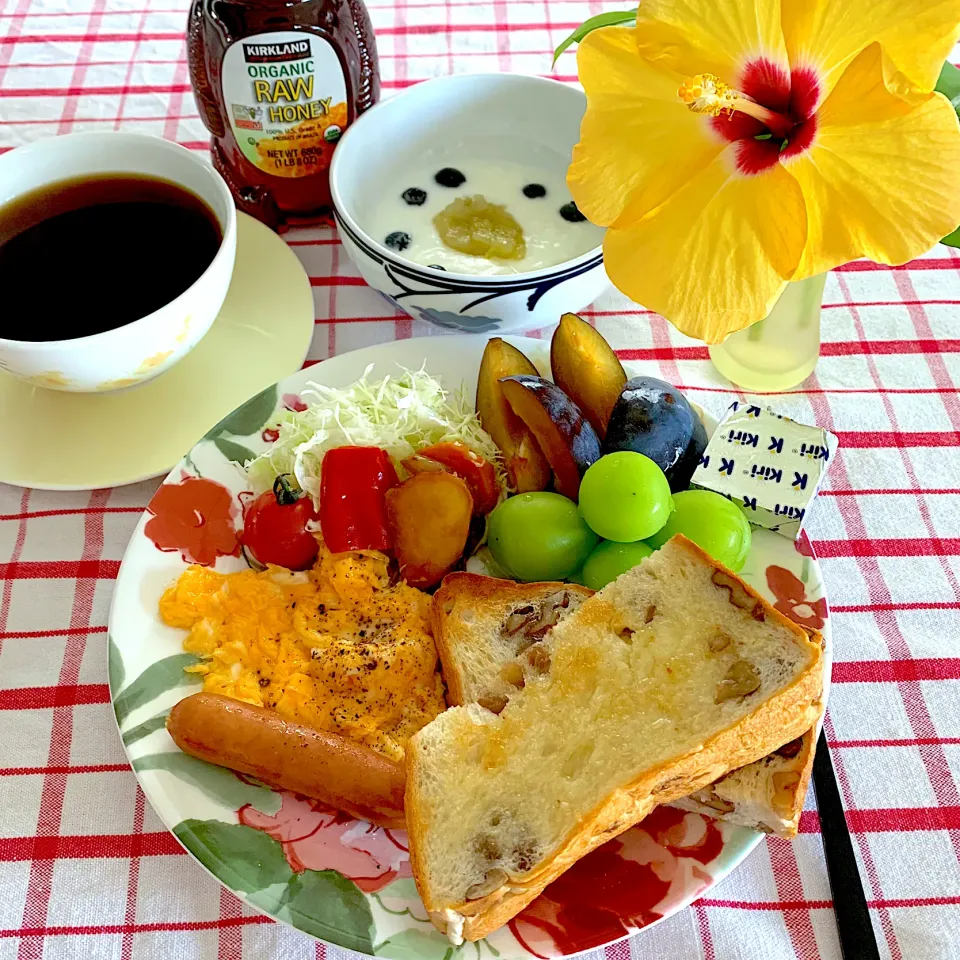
column 332, row 877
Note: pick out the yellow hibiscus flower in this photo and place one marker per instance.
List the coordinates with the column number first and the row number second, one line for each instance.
column 730, row 147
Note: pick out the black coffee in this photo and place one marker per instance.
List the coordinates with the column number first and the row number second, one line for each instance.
column 83, row 256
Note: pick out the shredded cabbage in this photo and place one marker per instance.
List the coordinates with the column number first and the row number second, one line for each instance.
column 399, row 414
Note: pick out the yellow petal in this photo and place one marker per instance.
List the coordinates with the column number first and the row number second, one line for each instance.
column 917, row 35
column 687, row 37
column 714, row 257
column 638, row 142
column 882, row 178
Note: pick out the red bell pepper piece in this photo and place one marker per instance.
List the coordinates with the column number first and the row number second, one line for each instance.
column 353, row 486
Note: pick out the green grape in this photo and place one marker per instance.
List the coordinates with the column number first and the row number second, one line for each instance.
column 625, row 497
column 539, row 536
column 609, row 559
column 712, row 522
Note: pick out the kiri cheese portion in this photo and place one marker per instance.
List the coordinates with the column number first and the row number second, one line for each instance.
column 769, row 464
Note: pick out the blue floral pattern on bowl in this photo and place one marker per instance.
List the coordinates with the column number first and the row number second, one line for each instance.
column 456, row 321
column 517, row 302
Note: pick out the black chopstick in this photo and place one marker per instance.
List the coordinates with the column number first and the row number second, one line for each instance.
column 857, row 940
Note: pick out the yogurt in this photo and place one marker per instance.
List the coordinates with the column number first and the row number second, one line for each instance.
column 405, row 216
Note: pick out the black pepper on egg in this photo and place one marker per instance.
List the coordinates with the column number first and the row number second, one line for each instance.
column 534, row 191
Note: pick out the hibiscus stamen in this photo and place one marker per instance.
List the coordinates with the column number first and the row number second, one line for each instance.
column 706, row 93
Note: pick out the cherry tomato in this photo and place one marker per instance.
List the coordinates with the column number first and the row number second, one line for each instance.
column 275, row 528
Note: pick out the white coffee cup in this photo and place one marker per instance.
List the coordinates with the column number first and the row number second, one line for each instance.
column 142, row 349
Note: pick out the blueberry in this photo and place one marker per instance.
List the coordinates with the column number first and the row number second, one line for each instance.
column 398, row 240
column 450, row 177
column 414, row 196
column 436, row 266
column 571, row 214
column 534, row 191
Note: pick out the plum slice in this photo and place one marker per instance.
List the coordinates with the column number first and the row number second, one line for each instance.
column 587, row 370
column 523, row 459
column 564, row 434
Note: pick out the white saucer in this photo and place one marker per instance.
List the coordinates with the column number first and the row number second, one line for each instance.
column 80, row 441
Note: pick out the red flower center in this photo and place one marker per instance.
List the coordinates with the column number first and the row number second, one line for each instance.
column 792, row 99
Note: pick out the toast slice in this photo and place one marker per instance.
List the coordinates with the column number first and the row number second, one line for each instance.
column 480, row 624
column 663, row 682
column 766, row 795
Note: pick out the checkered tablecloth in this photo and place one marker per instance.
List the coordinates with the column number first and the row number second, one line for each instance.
column 86, row 868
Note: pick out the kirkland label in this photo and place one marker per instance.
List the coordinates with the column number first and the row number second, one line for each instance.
column 286, row 96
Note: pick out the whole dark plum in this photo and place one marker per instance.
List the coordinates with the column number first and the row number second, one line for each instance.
column 654, row 418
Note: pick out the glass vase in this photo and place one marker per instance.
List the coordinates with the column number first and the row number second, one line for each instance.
column 781, row 350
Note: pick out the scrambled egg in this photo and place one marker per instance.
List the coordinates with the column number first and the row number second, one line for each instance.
column 335, row 647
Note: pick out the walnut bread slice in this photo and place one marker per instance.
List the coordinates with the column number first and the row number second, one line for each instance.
column 766, row 795
column 482, row 624
column 663, row 682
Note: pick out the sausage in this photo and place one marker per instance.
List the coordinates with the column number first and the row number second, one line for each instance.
column 346, row 775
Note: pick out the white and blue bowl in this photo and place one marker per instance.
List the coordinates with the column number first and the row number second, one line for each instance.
column 531, row 111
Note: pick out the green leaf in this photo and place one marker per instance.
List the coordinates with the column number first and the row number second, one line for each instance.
column 218, row 783
column 414, row 944
column 269, row 899
column 404, row 888
column 327, row 905
column 952, row 239
column 948, row 84
column 612, row 19
column 114, row 666
column 401, row 899
column 160, row 676
column 241, row 857
column 234, row 451
column 144, row 729
column 250, row 417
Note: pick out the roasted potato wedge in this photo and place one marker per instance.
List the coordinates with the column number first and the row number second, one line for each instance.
column 587, row 370
column 566, row 437
column 478, row 474
column 525, row 463
column 430, row 516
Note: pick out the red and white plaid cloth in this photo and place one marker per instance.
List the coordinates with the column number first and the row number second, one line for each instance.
column 86, row 868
